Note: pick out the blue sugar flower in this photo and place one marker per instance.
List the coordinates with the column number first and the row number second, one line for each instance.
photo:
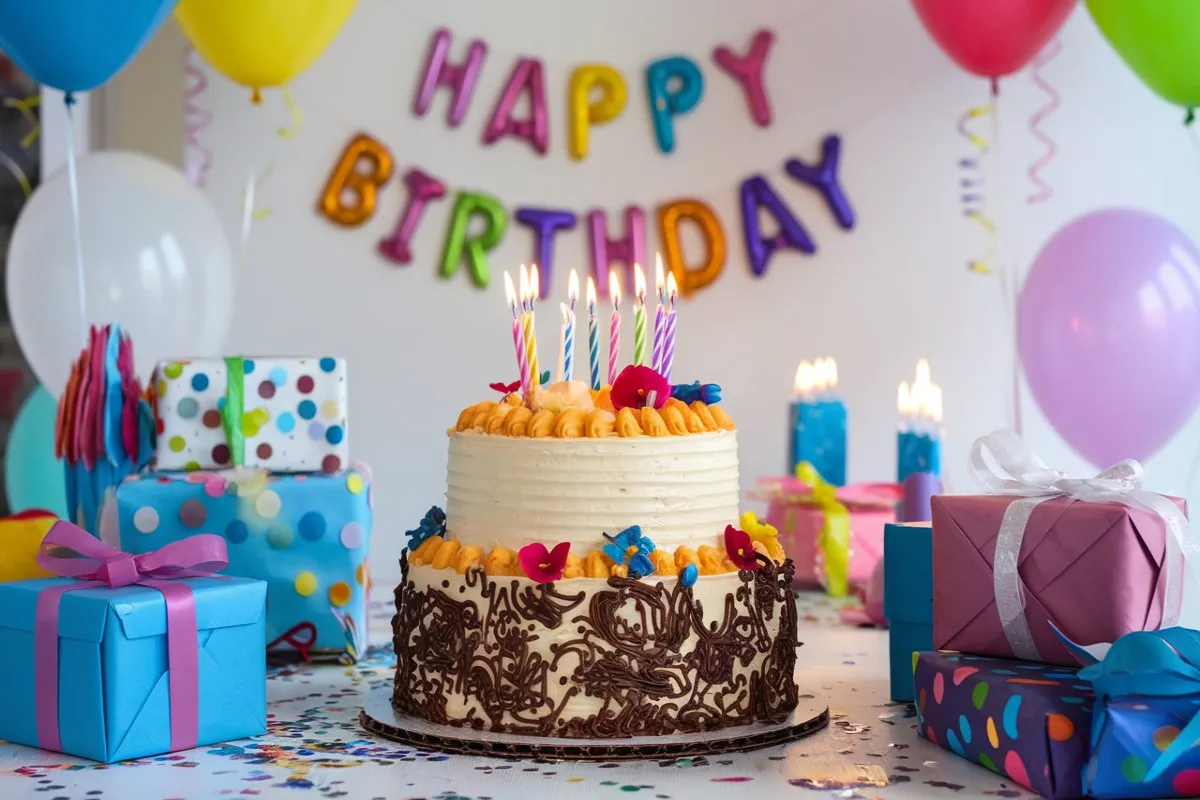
column 627, row 544
column 640, row 566
column 708, row 393
column 432, row 524
column 689, row 575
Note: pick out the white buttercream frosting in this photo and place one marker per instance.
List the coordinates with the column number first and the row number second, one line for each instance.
column 512, row 491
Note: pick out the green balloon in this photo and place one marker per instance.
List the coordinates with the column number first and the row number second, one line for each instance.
column 1159, row 40
column 33, row 476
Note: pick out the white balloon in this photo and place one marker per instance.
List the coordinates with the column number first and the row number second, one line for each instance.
column 155, row 261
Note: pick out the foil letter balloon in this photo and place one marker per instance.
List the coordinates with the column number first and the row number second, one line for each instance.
column 526, row 77
column 583, row 112
column 460, row 78
column 690, row 279
column 748, row 71
column 350, row 193
column 758, row 195
column 475, row 248
column 665, row 103
column 262, row 43
column 545, row 224
column 422, row 189
column 824, row 178
column 630, row 249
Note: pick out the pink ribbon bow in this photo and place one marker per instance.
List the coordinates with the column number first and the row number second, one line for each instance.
column 97, row 564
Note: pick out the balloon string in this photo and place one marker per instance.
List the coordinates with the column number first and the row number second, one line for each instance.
column 973, row 198
column 73, row 180
column 1044, row 191
column 200, row 158
column 288, row 133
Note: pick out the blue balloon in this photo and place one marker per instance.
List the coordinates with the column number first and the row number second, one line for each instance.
column 666, row 102
column 33, row 476
column 77, row 45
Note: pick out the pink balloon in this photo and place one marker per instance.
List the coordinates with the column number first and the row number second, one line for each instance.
column 422, row 189
column 526, row 76
column 459, row 78
column 1109, row 333
column 748, row 71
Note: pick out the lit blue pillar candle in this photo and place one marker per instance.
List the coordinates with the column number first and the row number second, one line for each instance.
column 818, row 422
column 919, row 441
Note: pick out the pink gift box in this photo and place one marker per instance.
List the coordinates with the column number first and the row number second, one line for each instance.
column 799, row 522
column 1094, row 570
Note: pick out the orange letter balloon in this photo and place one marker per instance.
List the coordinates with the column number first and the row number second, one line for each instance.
column 691, row 279
column 348, row 182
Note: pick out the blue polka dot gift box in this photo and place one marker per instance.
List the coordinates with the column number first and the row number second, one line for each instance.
column 278, row 414
column 307, row 536
column 1146, row 724
column 1030, row 722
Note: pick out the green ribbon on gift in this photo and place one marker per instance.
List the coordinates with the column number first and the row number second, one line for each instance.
column 834, row 541
column 235, row 407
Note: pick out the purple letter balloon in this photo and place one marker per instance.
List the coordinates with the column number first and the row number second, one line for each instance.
column 1109, row 333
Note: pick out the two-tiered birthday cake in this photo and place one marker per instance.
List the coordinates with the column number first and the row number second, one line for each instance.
column 587, row 579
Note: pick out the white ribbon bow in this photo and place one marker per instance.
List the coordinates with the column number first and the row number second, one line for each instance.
column 1014, row 469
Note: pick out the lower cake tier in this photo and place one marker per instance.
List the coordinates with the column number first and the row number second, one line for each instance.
column 595, row 659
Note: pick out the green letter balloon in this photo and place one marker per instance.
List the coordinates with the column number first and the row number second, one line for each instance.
column 495, row 222
column 1159, row 40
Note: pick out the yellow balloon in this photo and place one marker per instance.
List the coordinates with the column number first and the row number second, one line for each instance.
column 262, row 43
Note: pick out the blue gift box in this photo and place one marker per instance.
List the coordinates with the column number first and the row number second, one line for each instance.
column 307, row 536
column 907, row 599
column 112, row 666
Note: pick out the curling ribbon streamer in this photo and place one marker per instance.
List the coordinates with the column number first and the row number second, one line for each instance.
column 973, row 199
column 1044, row 191
column 199, row 158
column 25, row 106
column 251, row 214
column 834, row 541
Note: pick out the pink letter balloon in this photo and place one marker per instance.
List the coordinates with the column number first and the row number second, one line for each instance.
column 1109, row 333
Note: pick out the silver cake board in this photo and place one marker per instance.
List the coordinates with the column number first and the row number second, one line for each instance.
column 380, row 718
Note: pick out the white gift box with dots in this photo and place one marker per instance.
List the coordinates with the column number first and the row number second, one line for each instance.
column 293, row 414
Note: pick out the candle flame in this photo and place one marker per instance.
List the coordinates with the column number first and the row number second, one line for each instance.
column 825, row 373
column 672, row 289
column 639, row 283
column 535, row 284
column 614, row 288
column 903, row 400
column 591, row 295
column 659, row 282
column 923, row 398
column 922, row 373
column 573, row 289
column 510, row 293
column 806, row 378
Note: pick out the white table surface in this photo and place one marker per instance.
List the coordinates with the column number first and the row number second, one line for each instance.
column 315, row 747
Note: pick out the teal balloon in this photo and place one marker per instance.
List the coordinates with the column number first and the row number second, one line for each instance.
column 33, row 477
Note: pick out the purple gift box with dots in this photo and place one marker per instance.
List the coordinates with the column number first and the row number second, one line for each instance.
column 281, row 414
column 1029, row 722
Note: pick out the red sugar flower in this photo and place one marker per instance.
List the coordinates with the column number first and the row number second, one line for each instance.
column 638, row 387
column 740, row 548
column 544, row 566
column 505, row 388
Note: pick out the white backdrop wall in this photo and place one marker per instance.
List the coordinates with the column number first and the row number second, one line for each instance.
column 877, row 298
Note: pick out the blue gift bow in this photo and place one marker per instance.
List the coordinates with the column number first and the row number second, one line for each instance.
column 1160, row 663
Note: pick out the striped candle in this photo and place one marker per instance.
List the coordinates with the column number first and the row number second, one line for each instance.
column 569, row 318
column 668, row 361
column 614, row 326
column 656, row 356
column 531, row 297
column 518, row 336
column 639, row 316
column 593, row 335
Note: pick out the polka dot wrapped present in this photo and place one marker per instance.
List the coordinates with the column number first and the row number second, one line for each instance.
column 1028, row 721
column 307, row 536
column 280, row 414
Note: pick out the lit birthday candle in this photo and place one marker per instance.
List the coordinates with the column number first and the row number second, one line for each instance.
column 531, row 352
column 517, row 334
column 614, row 326
column 668, row 360
column 660, row 323
column 818, row 417
column 639, row 316
column 593, row 335
column 919, row 440
column 569, row 321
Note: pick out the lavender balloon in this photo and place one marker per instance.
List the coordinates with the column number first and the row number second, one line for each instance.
column 1109, row 333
